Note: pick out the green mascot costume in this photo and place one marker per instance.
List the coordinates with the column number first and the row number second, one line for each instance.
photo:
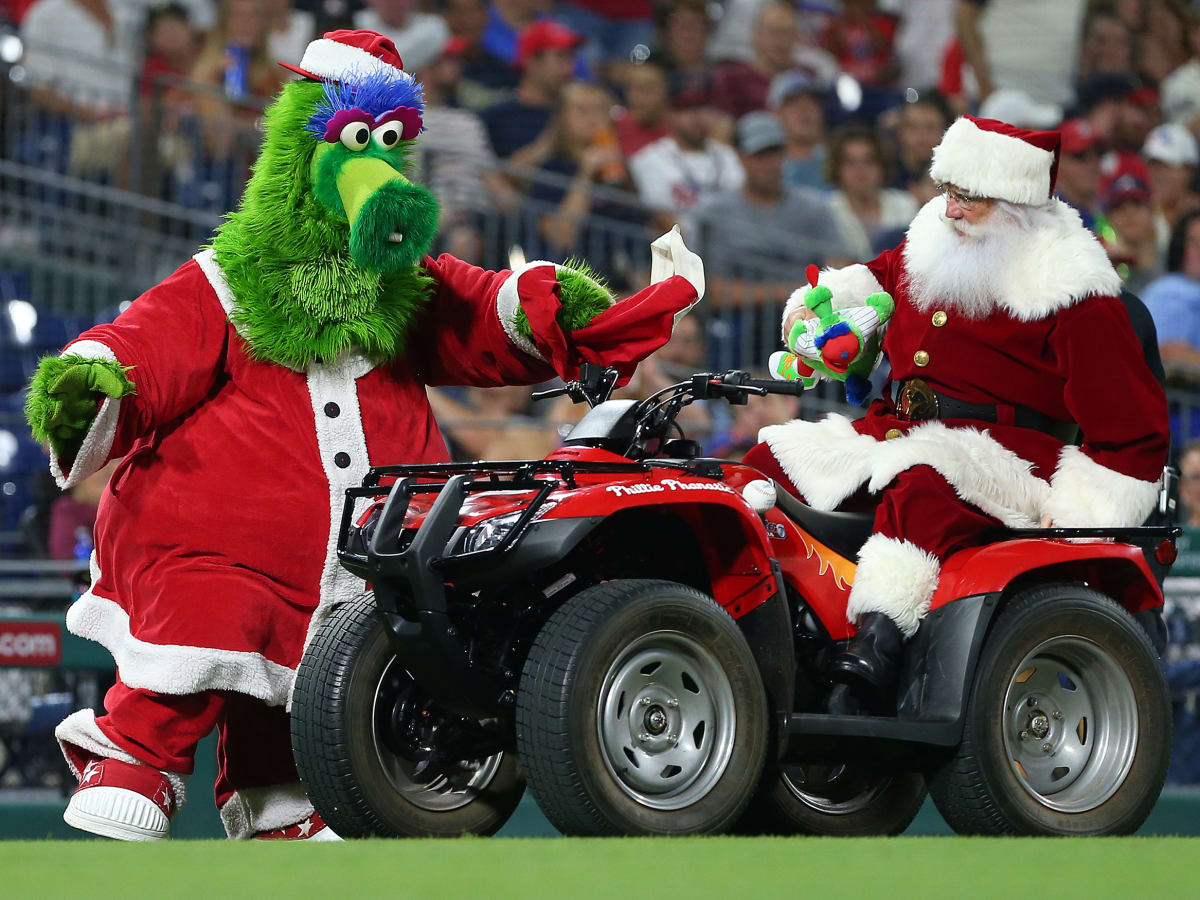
column 245, row 393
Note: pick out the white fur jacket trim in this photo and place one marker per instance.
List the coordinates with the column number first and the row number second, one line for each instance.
column 1085, row 494
column 828, row 461
column 1052, row 266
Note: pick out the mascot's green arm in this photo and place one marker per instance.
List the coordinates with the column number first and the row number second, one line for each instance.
column 583, row 294
column 65, row 394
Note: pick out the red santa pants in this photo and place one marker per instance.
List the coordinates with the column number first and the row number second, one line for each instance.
column 254, row 748
column 919, row 521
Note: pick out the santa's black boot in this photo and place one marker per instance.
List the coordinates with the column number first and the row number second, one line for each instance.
column 869, row 666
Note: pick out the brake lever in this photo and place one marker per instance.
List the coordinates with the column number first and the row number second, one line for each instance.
column 546, row 395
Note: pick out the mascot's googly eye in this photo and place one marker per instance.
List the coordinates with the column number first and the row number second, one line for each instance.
column 355, row 135
column 387, row 135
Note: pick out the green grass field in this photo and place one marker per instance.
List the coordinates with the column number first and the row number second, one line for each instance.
column 615, row 869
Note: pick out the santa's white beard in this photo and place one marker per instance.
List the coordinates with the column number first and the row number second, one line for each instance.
column 953, row 264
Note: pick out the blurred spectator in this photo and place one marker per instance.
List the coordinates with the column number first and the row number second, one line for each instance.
column 454, row 154
column 418, row 36
column 920, row 128
column 1189, row 483
column 73, row 516
column 546, row 61
column 1181, row 89
column 236, row 76
column 1164, row 41
column 507, row 21
column 676, row 172
column 1174, row 299
column 747, row 420
column 741, row 87
column 492, row 423
column 291, row 31
column 1018, row 44
column 1130, row 237
column 1171, row 155
column 763, row 224
column 925, row 31
column 864, row 210
column 685, row 352
column 1107, row 46
column 74, row 61
column 486, row 79
column 684, row 28
column 613, row 27
column 647, row 104
column 580, row 147
column 170, row 48
column 1079, row 170
column 861, row 39
column 1018, row 108
column 798, row 101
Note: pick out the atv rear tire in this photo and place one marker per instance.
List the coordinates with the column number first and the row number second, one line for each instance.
column 350, row 690
column 641, row 711
column 1068, row 726
column 834, row 800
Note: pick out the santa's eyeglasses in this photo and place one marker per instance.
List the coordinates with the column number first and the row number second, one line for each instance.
column 966, row 201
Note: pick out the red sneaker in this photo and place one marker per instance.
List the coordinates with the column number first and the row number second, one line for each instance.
column 121, row 800
column 311, row 829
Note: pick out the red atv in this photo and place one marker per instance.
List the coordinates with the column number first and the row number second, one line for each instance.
column 644, row 635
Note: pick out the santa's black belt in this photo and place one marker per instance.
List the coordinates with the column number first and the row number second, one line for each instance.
column 916, row 401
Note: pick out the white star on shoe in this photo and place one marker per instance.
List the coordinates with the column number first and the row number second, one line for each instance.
column 306, row 827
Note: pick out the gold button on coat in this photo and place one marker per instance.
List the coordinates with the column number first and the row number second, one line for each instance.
column 939, row 319
column 892, row 433
column 921, row 358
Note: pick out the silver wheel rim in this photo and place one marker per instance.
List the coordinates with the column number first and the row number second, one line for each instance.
column 1070, row 724
column 439, row 788
column 666, row 720
column 797, row 778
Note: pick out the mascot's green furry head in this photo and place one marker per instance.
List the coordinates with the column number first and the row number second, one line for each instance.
column 323, row 254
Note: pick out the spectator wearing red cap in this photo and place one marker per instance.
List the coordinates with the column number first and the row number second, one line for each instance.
column 1172, row 156
column 1079, row 170
column 546, row 57
column 507, row 21
column 1128, row 234
column 418, row 36
column 677, row 172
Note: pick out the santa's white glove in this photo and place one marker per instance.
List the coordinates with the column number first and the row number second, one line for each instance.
column 670, row 256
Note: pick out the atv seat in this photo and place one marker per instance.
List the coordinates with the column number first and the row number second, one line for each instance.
column 842, row 532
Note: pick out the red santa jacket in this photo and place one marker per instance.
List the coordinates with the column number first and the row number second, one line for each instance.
column 1058, row 341
column 216, row 537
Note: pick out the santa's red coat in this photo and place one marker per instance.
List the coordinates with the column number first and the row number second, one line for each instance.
column 1057, row 341
column 216, row 537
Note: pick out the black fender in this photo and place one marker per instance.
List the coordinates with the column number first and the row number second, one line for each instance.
column 768, row 630
column 544, row 543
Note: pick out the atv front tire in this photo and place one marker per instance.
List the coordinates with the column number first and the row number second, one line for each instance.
column 361, row 733
column 839, row 800
column 641, row 711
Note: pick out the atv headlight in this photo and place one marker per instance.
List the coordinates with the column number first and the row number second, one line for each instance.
column 490, row 532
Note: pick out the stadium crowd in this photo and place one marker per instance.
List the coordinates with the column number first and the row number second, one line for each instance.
column 777, row 133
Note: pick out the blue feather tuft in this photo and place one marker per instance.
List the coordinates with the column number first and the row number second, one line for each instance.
column 831, row 332
column 374, row 94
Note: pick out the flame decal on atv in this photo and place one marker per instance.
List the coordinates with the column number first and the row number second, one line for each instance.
column 842, row 569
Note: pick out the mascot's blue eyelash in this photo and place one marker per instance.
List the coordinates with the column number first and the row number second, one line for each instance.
column 373, row 94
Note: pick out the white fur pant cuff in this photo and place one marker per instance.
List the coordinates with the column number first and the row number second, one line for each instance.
column 253, row 810
column 896, row 578
column 79, row 736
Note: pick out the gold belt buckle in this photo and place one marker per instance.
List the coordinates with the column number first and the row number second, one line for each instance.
column 917, row 401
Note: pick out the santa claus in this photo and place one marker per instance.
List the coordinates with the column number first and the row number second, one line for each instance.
column 1018, row 394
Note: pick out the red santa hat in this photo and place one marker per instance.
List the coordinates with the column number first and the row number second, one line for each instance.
column 990, row 158
column 360, row 51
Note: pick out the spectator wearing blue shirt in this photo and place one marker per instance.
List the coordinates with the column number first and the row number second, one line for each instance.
column 507, row 21
column 1174, row 299
column 546, row 59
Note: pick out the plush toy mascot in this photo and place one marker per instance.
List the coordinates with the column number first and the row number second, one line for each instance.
column 245, row 393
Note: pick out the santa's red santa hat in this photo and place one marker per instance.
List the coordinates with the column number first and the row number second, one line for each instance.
column 990, row 158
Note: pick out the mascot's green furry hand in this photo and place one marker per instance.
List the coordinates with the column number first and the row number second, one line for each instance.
column 65, row 395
